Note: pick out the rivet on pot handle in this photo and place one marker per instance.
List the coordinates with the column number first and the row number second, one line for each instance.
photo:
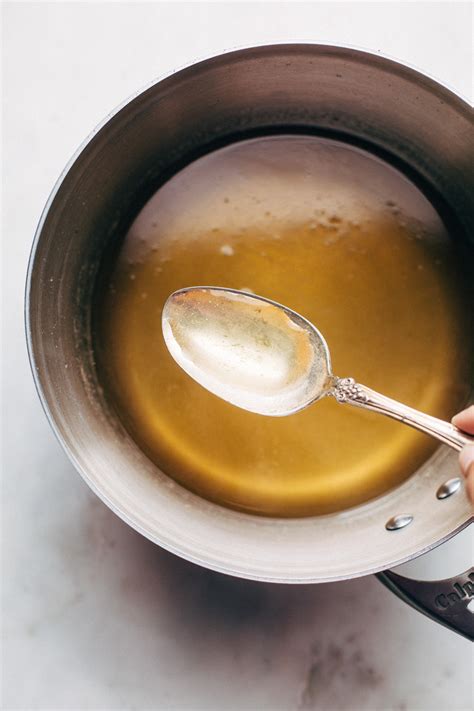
column 445, row 601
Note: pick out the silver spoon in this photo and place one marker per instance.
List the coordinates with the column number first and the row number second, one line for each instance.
column 266, row 358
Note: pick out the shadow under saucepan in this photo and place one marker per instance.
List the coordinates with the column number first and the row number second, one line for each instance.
column 174, row 635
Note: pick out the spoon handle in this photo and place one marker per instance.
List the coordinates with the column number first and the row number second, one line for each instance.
column 346, row 390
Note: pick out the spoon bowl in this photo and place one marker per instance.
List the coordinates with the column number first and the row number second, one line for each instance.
column 248, row 350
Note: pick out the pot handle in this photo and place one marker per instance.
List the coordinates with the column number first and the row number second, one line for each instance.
column 445, row 601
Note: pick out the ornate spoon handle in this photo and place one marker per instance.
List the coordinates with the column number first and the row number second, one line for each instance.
column 346, row 390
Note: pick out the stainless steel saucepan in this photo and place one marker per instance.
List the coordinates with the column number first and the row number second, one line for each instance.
column 390, row 109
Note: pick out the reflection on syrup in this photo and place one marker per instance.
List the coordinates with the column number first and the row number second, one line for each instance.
column 340, row 237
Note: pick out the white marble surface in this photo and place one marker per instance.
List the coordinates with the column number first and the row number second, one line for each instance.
column 94, row 616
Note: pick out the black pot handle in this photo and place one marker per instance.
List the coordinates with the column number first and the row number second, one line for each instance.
column 445, row 601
